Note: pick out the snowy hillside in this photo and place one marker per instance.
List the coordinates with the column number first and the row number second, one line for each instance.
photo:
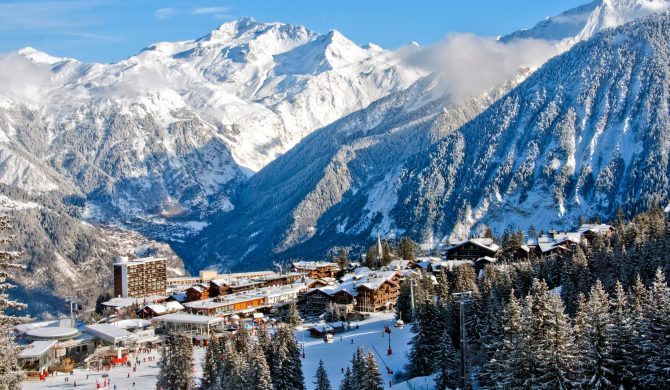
column 588, row 133
column 173, row 130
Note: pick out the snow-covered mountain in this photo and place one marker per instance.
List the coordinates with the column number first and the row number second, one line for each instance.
column 172, row 130
column 587, row 133
column 581, row 23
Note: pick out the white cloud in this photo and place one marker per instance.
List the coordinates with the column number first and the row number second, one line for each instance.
column 164, row 13
column 471, row 64
column 210, row 10
column 22, row 79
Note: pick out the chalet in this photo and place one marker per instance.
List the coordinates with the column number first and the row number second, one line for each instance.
column 156, row 309
column 590, row 231
column 472, row 249
column 317, row 269
column 315, row 302
column 227, row 286
column 379, row 292
column 197, row 292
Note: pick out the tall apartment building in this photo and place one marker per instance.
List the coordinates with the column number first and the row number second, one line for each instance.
column 140, row 277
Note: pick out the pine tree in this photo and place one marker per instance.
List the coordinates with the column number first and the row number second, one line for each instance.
column 442, row 289
column 658, row 333
column 293, row 317
column 404, row 302
column 258, row 373
column 512, row 362
column 562, row 359
column 265, row 342
column 241, row 341
column 210, row 366
column 10, row 373
column 321, row 380
column 346, row 383
column 235, row 369
column 423, row 355
column 373, row 377
column 447, row 363
column 407, row 248
column 595, row 334
column 287, row 372
column 358, row 370
column 176, row 369
column 622, row 337
column 465, row 279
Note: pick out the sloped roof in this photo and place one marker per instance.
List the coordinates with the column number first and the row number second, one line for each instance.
column 486, row 243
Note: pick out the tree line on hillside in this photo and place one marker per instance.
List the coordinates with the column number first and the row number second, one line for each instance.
column 596, row 317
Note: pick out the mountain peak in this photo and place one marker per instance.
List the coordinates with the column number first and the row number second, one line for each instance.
column 39, row 57
column 581, row 23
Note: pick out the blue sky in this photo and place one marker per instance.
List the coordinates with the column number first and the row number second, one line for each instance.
column 110, row 30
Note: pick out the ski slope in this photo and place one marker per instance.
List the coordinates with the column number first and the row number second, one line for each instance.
column 335, row 356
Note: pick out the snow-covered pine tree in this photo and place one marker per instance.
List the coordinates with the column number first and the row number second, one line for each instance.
column 658, row 333
column 622, row 336
column 447, row 363
column 241, row 341
column 258, row 373
column 10, row 373
column 427, row 329
column 321, row 380
column 293, row 317
column 403, row 309
column 556, row 352
column 358, row 369
column 235, row 369
column 512, row 363
column 346, row 383
column 465, row 279
column 287, row 374
column 442, row 288
column 210, row 366
column 265, row 342
column 596, row 369
column 176, row 371
column 373, row 377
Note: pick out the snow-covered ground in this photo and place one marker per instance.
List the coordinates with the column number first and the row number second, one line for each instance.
column 144, row 378
column 335, row 356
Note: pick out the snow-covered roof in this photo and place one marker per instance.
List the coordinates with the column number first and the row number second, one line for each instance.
column 142, row 260
column 601, row 228
column 487, row 259
column 156, row 308
column 53, row 333
column 120, row 302
column 483, row 242
column 182, row 318
column 108, row 332
column 173, row 306
column 37, row 349
column 314, row 264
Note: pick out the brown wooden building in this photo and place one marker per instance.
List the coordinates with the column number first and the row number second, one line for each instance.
column 473, row 249
column 197, row 292
column 316, row 269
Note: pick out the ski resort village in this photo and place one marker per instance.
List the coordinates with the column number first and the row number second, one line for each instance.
column 330, row 309
column 305, row 195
